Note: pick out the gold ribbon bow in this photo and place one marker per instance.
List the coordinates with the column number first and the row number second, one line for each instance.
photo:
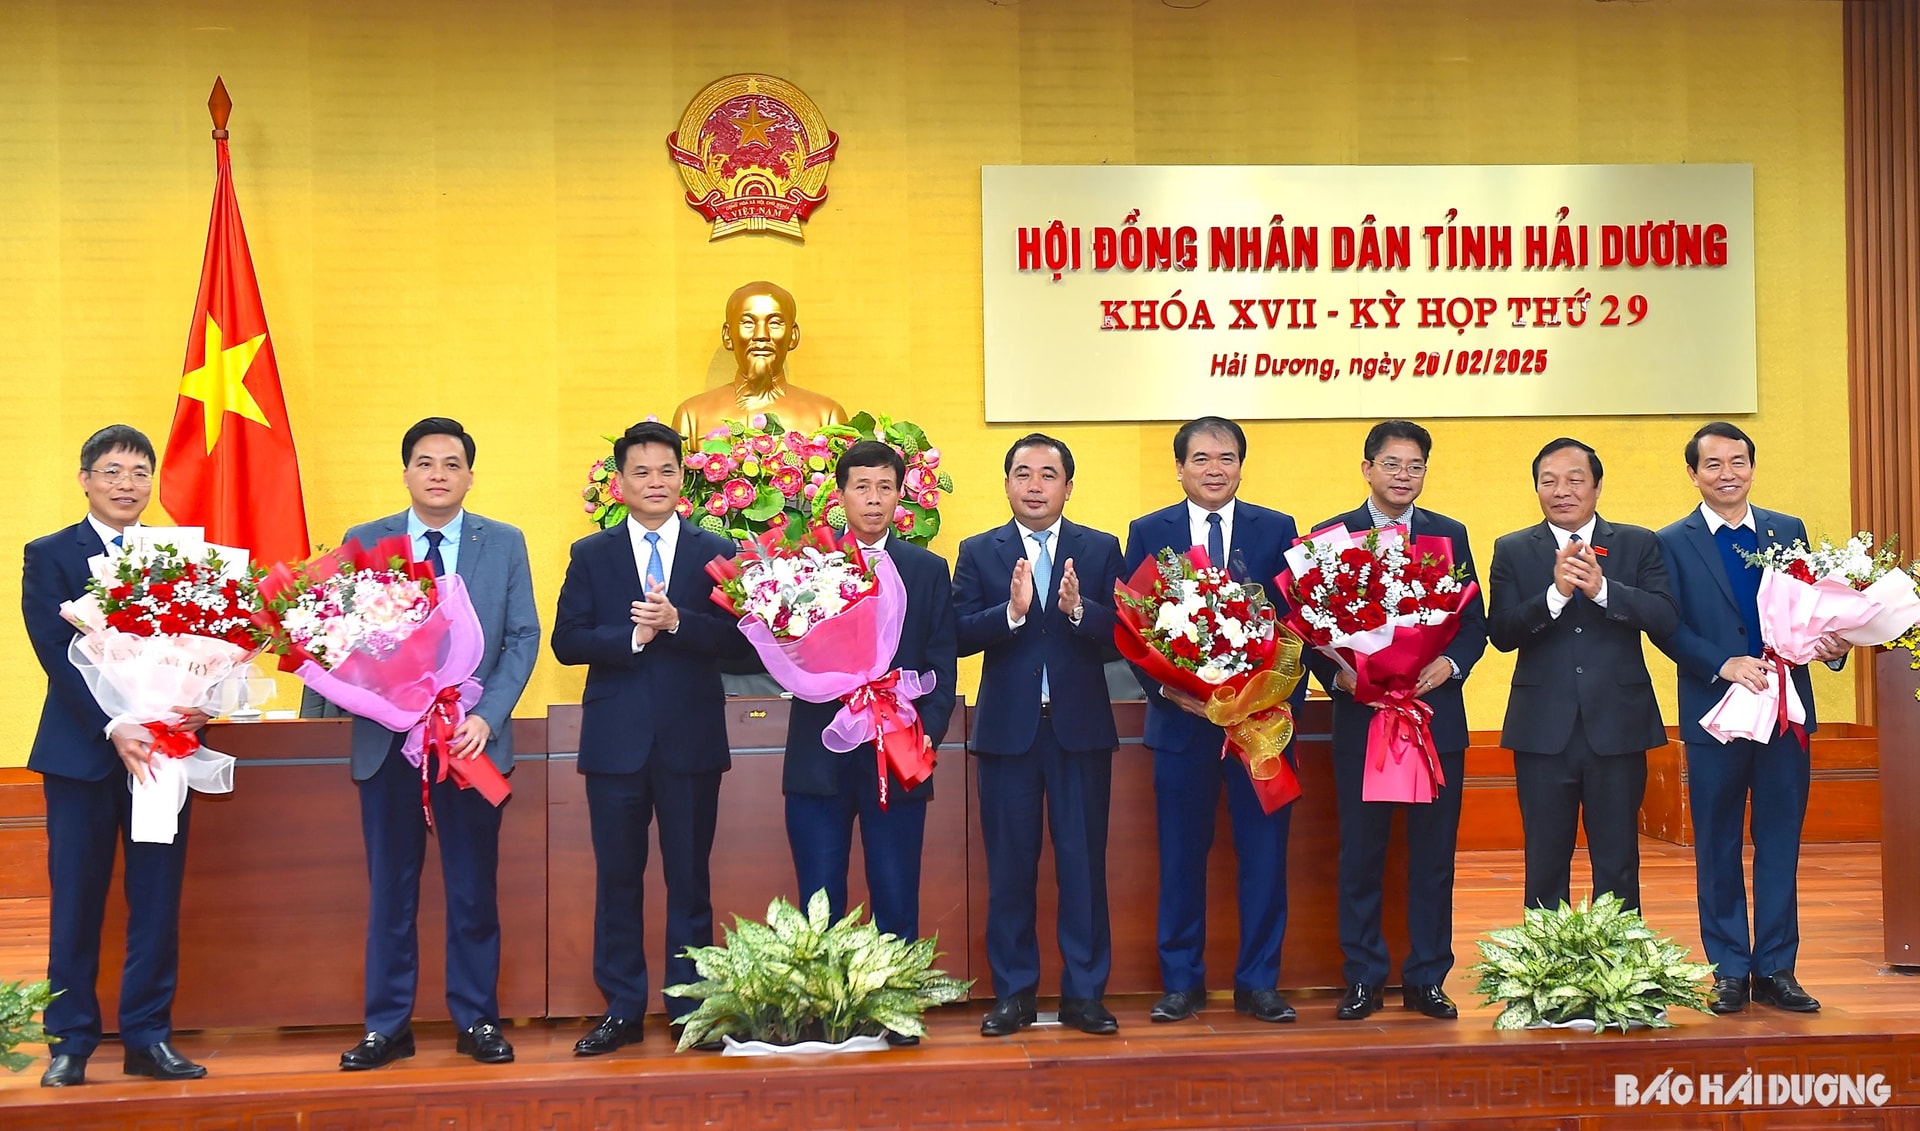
column 1257, row 718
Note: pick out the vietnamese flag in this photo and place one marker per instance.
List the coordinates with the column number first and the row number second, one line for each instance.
column 230, row 464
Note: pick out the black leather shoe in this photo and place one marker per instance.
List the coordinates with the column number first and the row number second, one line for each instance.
column 65, row 1072
column 610, row 1034
column 1263, row 1005
column 901, row 1040
column 1360, row 1001
column 1430, row 1000
column 711, row 1044
column 1088, row 1015
column 376, row 1050
column 1783, row 992
column 1729, row 995
column 484, row 1043
column 1178, row 1005
column 1009, row 1015
column 160, row 1061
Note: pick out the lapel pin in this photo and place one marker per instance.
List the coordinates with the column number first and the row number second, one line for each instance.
column 1598, row 551
column 1769, row 533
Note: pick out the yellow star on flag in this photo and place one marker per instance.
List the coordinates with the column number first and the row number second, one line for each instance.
column 219, row 383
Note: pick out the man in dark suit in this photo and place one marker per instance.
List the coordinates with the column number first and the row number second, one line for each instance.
column 636, row 608
column 83, row 770
column 1573, row 595
column 826, row 791
column 490, row 557
column 1394, row 465
column 1188, row 771
column 1716, row 645
column 1045, row 741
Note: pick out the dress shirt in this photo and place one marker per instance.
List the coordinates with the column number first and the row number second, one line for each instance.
column 1715, row 522
column 449, row 546
column 107, row 533
column 1032, row 547
column 669, row 533
column 1555, row 602
column 1197, row 526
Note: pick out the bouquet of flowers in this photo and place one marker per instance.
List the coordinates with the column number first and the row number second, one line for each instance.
column 166, row 619
column 826, row 622
column 1382, row 606
column 1195, row 629
column 375, row 633
column 1854, row 591
column 748, row 477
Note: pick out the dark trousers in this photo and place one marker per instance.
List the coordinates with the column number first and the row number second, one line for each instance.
column 1432, row 830
column 620, row 807
column 820, row 833
column 86, row 822
column 1558, row 792
column 1186, row 794
column 395, row 831
column 1721, row 778
column 1072, row 789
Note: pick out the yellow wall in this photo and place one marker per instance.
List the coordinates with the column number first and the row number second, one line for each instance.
column 466, row 208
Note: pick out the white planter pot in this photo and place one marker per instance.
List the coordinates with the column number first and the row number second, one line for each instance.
column 1587, row 1025
column 731, row 1047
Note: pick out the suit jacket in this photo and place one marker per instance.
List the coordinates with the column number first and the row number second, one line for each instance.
column 927, row 643
column 71, row 741
column 493, row 564
column 1587, row 662
column 1711, row 629
column 666, row 699
column 1449, row 723
column 1260, row 538
column 1074, row 656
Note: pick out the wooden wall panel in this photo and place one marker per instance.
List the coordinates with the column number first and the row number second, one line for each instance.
column 1883, row 273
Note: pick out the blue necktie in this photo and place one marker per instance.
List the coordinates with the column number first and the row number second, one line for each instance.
column 119, row 539
column 439, row 564
column 1042, row 585
column 1216, row 542
column 656, row 573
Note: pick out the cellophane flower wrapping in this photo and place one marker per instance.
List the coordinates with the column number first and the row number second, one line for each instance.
column 376, row 634
column 1382, row 605
column 826, row 622
column 1852, row 591
column 1200, row 631
column 167, row 618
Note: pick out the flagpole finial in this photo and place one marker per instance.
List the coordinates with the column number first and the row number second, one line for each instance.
column 220, row 106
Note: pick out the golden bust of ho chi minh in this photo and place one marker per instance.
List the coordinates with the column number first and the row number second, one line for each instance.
column 760, row 331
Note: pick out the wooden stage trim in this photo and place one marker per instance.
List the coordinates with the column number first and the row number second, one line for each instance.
column 1219, row 1070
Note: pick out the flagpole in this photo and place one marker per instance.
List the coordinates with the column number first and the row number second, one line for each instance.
column 219, row 105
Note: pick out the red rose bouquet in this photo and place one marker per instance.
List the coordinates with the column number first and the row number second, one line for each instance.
column 1382, row 606
column 1197, row 630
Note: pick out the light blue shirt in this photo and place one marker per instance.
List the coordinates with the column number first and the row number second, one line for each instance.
column 449, row 549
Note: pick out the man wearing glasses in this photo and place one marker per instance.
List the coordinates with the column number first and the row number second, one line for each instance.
column 83, row 770
column 1394, row 465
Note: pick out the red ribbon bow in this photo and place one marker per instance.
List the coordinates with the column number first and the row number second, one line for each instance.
column 897, row 745
column 1782, row 671
column 441, row 719
column 173, row 743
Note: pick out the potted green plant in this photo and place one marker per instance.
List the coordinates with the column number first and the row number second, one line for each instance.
column 20, row 1002
column 1595, row 966
column 803, row 983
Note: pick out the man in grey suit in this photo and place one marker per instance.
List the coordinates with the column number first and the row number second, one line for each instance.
column 491, row 558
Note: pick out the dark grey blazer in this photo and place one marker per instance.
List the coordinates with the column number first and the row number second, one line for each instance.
column 1586, row 663
column 493, row 563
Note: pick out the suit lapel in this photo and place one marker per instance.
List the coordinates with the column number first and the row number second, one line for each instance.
column 1010, row 546
column 1545, row 547
column 620, row 543
column 473, row 538
column 1708, row 551
column 689, row 567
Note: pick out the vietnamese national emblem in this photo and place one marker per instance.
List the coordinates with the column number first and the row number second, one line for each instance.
column 754, row 152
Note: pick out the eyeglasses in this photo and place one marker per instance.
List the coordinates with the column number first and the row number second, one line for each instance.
column 114, row 473
column 1395, row 467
